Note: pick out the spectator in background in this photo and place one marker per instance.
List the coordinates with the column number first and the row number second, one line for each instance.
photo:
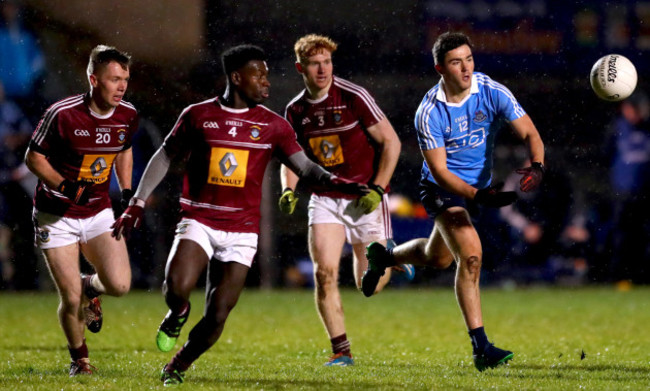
column 15, row 203
column 537, row 221
column 21, row 60
column 629, row 144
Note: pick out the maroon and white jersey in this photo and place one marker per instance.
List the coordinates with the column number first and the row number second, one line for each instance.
column 81, row 145
column 227, row 152
column 332, row 130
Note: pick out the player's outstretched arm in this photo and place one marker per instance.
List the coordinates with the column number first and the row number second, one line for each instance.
column 526, row 130
column 132, row 217
column 491, row 196
column 318, row 177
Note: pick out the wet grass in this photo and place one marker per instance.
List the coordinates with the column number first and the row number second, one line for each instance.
column 401, row 339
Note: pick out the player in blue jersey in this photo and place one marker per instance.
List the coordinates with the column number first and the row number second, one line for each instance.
column 456, row 124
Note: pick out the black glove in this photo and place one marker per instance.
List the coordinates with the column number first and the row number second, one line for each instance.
column 76, row 191
column 347, row 187
column 492, row 196
column 126, row 197
column 532, row 176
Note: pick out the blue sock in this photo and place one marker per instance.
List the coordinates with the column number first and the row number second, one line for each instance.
column 479, row 339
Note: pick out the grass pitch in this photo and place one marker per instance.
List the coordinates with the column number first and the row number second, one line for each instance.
column 563, row 339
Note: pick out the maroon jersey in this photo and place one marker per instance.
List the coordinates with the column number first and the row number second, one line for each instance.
column 227, row 152
column 332, row 130
column 81, row 145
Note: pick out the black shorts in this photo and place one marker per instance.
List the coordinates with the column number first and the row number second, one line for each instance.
column 436, row 200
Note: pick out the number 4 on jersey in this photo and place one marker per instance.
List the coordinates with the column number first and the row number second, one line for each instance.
column 233, row 131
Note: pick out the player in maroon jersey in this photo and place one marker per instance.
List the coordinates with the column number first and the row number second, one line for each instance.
column 227, row 143
column 342, row 128
column 73, row 149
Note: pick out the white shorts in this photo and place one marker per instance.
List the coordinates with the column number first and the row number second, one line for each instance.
column 359, row 227
column 224, row 246
column 56, row 231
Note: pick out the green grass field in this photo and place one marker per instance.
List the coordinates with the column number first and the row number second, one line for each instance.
column 401, row 339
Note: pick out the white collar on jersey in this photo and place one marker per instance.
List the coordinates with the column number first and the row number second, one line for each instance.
column 231, row 110
column 315, row 101
column 97, row 115
column 442, row 97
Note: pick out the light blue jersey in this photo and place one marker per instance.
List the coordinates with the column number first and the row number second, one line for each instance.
column 467, row 129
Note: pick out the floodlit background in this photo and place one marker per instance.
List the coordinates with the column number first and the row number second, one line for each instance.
column 586, row 225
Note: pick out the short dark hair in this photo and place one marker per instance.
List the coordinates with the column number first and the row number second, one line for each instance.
column 238, row 56
column 102, row 55
column 447, row 42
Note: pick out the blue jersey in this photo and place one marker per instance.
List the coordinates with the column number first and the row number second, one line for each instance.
column 467, row 129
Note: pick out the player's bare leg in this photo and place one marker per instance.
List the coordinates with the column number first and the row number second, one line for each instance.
column 113, row 276
column 453, row 238
column 325, row 246
column 422, row 252
column 63, row 263
column 361, row 265
column 463, row 241
column 187, row 261
column 226, row 281
column 111, row 261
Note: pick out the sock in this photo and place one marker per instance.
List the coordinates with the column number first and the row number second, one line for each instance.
column 88, row 285
column 178, row 363
column 80, row 352
column 479, row 339
column 341, row 344
column 97, row 285
column 184, row 310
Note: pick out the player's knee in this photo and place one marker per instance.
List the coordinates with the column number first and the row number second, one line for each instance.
column 177, row 287
column 70, row 304
column 120, row 290
column 472, row 264
column 325, row 276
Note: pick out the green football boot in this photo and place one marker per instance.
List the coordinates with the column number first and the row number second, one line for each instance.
column 169, row 330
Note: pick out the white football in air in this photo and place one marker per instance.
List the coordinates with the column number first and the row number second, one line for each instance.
column 613, row 77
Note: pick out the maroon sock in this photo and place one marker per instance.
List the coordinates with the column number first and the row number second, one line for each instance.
column 184, row 310
column 178, row 362
column 341, row 344
column 80, row 352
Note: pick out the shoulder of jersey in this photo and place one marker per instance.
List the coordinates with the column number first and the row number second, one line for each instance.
column 66, row 103
column 203, row 105
column 128, row 105
column 274, row 115
column 483, row 80
column 294, row 100
column 348, row 87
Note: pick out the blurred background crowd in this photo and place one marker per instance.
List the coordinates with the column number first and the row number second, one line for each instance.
column 586, row 224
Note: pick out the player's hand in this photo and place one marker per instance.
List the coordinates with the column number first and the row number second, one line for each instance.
column 532, row 176
column 348, row 187
column 372, row 199
column 492, row 196
column 129, row 220
column 287, row 201
column 126, row 197
column 76, row 191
